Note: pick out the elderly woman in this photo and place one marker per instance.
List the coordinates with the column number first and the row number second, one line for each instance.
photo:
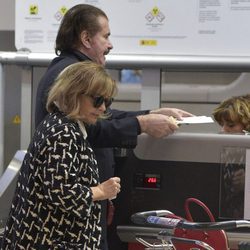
column 57, row 201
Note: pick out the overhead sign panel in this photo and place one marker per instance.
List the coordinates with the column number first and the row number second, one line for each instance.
column 168, row 27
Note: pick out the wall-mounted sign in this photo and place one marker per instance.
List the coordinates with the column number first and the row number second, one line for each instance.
column 170, row 27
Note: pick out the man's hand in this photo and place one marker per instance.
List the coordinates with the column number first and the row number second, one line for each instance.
column 157, row 125
column 176, row 113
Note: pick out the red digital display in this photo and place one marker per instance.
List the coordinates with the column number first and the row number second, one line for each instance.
column 147, row 181
column 151, row 181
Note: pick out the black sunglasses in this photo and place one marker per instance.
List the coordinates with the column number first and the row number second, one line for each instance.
column 99, row 100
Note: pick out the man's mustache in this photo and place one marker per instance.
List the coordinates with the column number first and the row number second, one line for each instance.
column 107, row 51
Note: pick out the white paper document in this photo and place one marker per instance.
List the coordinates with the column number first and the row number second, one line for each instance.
column 195, row 120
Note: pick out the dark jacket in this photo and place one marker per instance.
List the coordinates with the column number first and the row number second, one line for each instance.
column 120, row 130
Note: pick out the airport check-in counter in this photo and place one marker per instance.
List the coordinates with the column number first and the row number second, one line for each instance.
column 182, row 165
column 29, row 67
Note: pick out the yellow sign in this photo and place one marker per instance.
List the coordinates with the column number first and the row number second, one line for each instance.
column 63, row 10
column 148, row 42
column 16, row 120
column 33, row 9
column 155, row 11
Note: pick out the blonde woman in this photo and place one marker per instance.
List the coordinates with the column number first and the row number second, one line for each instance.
column 233, row 114
column 58, row 194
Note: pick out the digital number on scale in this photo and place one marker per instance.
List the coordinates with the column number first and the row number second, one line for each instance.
column 147, row 181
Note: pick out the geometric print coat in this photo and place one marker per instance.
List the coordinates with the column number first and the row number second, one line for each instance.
column 53, row 208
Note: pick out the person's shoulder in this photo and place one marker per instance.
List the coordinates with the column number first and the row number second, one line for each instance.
column 65, row 59
column 57, row 65
column 58, row 122
column 57, row 128
column 61, row 62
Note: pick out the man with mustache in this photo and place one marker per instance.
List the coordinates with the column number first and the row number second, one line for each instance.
column 84, row 35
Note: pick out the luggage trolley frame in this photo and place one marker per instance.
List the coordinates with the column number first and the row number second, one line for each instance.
column 168, row 223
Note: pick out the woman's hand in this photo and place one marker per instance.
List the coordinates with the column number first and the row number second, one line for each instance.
column 107, row 189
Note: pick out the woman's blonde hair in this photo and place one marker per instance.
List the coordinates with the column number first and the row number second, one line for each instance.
column 235, row 109
column 82, row 78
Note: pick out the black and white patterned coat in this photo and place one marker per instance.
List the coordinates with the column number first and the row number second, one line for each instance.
column 53, row 207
